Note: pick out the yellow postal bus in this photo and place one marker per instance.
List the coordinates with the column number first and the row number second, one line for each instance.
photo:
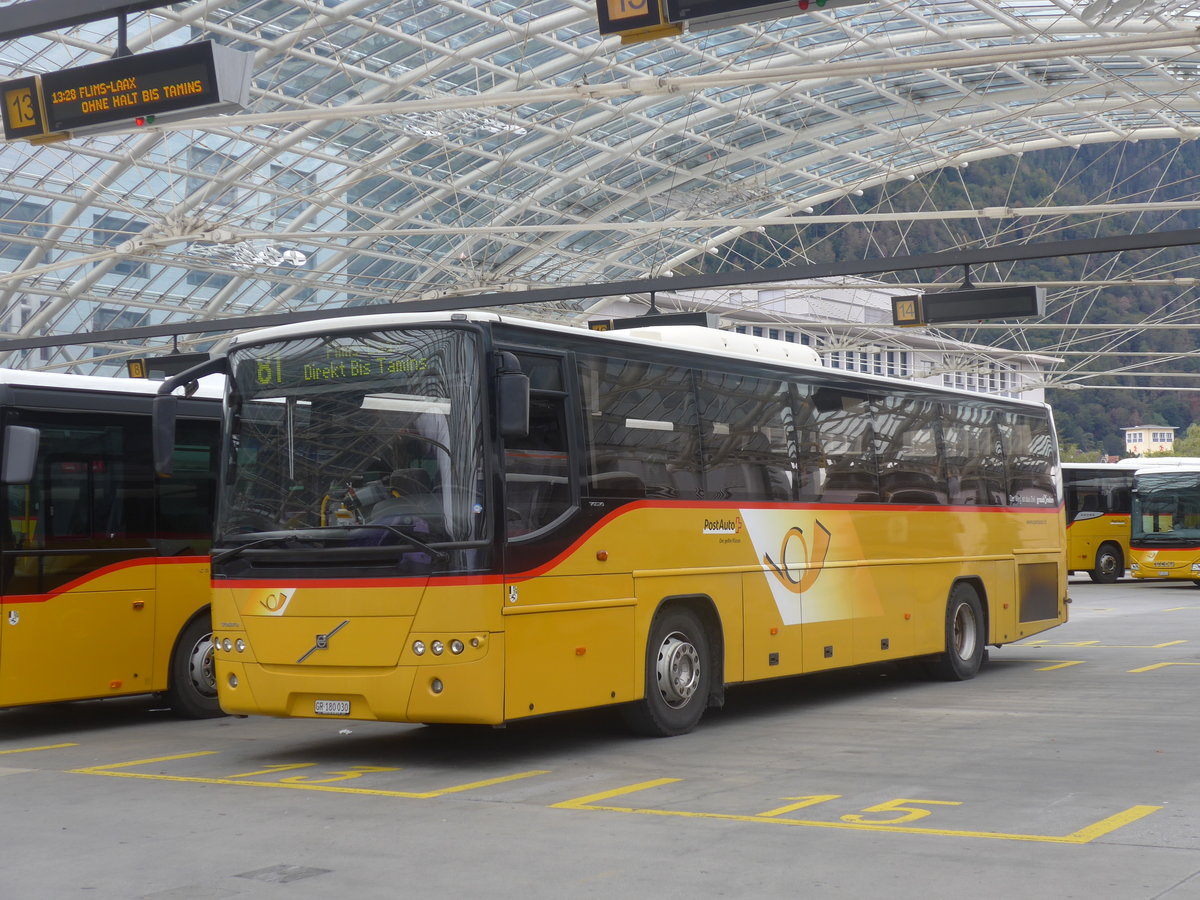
column 104, row 566
column 1165, row 535
column 467, row 518
column 1097, row 509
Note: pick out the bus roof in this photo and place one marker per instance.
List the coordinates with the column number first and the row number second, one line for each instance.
column 210, row 387
column 1191, row 468
column 688, row 338
column 1151, row 462
column 1137, row 462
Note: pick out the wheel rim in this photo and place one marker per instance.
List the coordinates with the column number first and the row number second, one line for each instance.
column 677, row 670
column 966, row 634
column 201, row 670
column 1108, row 564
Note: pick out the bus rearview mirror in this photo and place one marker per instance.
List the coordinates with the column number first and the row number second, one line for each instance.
column 512, row 395
column 166, row 408
column 20, row 454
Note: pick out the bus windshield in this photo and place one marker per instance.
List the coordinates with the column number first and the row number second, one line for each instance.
column 355, row 440
column 1166, row 508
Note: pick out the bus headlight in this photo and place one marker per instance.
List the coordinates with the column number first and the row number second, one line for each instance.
column 240, row 645
column 1196, row 567
column 437, row 647
column 419, row 648
column 227, row 645
column 456, row 646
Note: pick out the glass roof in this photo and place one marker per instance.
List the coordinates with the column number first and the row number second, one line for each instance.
column 410, row 149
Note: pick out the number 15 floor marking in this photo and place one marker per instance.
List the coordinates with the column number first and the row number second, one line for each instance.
column 857, row 822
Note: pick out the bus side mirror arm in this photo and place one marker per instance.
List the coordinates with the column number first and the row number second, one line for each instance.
column 512, row 397
column 20, row 454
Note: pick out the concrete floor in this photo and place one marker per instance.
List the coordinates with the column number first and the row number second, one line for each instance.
column 1067, row 769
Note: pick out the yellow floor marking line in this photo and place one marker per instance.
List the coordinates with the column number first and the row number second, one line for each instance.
column 112, row 770
column 1058, row 664
column 812, row 800
column 1179, row 608
column 1162, row 666
column 1083, row 836
column 34, row 749
column 1098, row 645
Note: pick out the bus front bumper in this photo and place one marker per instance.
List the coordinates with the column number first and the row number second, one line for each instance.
column 468, row 692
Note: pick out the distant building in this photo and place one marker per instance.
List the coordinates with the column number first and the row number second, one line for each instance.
column 851, row 328
column 1143, row 439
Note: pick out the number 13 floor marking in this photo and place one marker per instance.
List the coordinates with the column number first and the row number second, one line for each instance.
column 295, row 782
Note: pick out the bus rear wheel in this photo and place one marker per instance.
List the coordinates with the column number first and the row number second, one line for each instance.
column 678, row 676
column 1109, row 565
column 193, row 686
column 965, row 636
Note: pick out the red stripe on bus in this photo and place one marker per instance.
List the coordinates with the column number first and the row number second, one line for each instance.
column 502, row 578
column 97, row 573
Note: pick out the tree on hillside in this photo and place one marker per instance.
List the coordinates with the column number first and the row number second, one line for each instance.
column 1189, row 443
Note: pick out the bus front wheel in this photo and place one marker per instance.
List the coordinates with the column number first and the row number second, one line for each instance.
column 193, row 687
column 965, row 636
column 1109, row 565
column 678, row 676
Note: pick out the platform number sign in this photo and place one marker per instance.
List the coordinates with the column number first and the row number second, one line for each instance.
column 907, row 310
column 21, row 106
column 622, row 11
column 634, row 20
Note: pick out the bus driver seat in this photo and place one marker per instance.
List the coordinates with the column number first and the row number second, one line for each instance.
column 411, row 494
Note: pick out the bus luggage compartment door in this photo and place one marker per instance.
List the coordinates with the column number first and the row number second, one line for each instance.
column 567, row 643
column 90, row 635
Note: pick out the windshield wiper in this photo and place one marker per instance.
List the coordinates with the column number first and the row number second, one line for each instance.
column 236, row 551
column 292, row 539
column 439, row 555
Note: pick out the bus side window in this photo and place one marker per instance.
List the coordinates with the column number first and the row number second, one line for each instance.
column 90, row 497
column 22, row 517
column 537, row 469
column 746, row 432
column 906, row 447
column 185, row 500
column 642, row 430
column 94, row 484
column 974, row 468
column 842, row 424
column 1029, row 453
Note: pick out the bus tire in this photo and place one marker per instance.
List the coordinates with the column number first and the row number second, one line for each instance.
column 965, row 636
column 678, row 676
column 192, row 690
column 1109, row 565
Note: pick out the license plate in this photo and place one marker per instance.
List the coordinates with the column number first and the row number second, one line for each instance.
column 332, row 707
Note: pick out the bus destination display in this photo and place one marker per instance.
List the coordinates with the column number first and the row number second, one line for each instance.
column 131, row 90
